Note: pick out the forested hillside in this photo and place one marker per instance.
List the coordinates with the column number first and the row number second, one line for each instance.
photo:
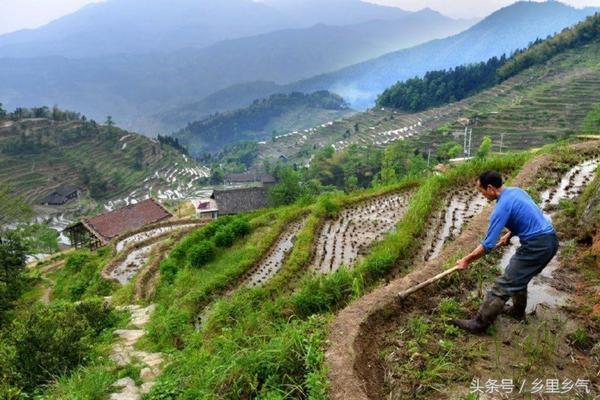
column 503, row 32
column 441, row 87
column 541, row 104
column 264, row 119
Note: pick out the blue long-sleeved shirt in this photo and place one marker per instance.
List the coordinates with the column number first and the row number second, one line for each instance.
column 517, row 211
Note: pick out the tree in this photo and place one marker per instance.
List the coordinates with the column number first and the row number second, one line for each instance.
column 12, row 209
column 109, row 122
column 57, row 114
column 138, row 158
column 448, row 150
column 485, row 147
column 288, row 190
column 2, row 112
column 12, row 264
column 350, row 183
column 217, row 176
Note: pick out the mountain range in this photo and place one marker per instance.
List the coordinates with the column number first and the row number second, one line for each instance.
column 503, row 32
column 175, row 62
column 139, row 26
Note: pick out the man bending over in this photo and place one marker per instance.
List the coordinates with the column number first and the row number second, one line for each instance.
column 516, row 211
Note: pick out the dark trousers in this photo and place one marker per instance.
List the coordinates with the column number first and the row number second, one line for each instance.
column 530, row 259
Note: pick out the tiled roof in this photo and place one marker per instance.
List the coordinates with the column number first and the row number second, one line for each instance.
column 117, row 222
column 53, row 198
column 66, row 190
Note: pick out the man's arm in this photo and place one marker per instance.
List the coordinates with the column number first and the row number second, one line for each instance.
column 474, row 255
column 497, row 222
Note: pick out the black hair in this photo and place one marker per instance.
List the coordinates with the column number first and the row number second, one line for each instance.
column 490, row 178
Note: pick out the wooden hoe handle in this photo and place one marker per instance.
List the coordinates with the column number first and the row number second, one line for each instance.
column 429, row 281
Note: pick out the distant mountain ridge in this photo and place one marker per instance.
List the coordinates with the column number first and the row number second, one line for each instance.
column 132, row 88
column 503, row 32
column 141, row 26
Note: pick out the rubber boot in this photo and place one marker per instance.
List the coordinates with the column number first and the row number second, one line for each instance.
column 517, row 310
column 486, row 315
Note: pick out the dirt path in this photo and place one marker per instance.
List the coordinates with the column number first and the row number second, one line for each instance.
column 354, row 372
column 124, row 353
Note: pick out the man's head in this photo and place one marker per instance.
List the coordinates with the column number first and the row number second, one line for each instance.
column 489, row 184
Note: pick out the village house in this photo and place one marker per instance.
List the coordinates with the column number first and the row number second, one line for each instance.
column 61, row 195
column 206, row 209
column 234, row 201
column 247, row 178
column 97, row 231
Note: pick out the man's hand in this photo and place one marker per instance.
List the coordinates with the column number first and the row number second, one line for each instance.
column 505, row 239
column 463, row 263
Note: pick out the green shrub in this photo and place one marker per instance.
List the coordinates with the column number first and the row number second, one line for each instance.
column 240, row 227
column 201, row 254
column 322, row 293
column 225, row 237
column 44, row 342
column 80, row 277
column 168, row 269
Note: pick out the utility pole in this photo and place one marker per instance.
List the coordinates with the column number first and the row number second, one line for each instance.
column 428, row 156
column 465, row 150
column 501, row 141
column 470, row 140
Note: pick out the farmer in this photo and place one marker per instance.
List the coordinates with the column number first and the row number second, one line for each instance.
column 516, row 211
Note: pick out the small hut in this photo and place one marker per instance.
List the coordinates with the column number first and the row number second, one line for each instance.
column 206, row 209
column 99, row 230
column 61, row 195
column 234, row 201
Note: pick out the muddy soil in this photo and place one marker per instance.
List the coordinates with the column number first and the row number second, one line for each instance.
column 460, row 207
column 358, row 331
column 275, row 258
column 140, row 237
column 134, row 261
column 344, row 239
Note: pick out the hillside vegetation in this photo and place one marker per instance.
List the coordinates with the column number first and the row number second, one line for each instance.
column 276, row 115
column 503, row 32
column 40, row 149
column 441, row 87
column 543, row 103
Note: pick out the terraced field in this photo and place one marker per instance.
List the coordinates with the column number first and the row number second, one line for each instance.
column 342, row 240
column 275, row 258
column 378, row 343
column 63, row 151
column 540, row 105
column 459, row 209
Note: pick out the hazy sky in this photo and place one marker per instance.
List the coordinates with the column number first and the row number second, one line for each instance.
column 19, row 14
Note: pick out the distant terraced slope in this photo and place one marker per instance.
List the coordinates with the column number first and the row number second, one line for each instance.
column 540, row 105
column 38, row 155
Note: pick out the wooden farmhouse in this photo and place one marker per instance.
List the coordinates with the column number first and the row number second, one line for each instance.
column 97, row 231
column 235, row 201
column 61, row 195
